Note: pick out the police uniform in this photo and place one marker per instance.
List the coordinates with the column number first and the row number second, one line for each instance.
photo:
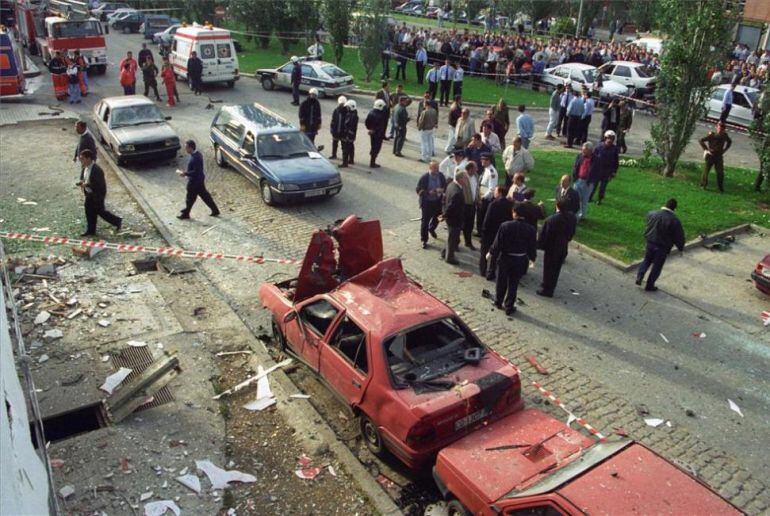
column 514, row 247
column 716, row 144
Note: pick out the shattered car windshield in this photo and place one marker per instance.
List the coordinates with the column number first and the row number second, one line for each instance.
column 428, row 352
column 284, row 145
column 136, row 115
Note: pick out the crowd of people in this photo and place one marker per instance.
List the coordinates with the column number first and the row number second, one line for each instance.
column 746, row 68
column 145, row 63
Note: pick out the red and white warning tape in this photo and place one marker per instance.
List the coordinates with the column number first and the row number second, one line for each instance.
column 572, row 417
column 132, row 248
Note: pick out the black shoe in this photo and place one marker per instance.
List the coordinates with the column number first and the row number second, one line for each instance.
column 638, row 281
column 295, row 103
column 118, row 225
column 651, row 288
column 433, row 233
column 543, row 293
column 182, row 216
column 443, row 254
column 344, row 165
column 425, row 245
column 374, row 165
column 497, row 305
column 398, row 154
column 470, row 246
column 453, row 261
column 510, row 311
column 332, row 157
column 87, row 234
column 215, row 213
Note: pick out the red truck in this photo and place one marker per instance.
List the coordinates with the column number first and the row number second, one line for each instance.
column 426, row 389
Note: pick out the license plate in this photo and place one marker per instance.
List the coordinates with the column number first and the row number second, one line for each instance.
column 315, row 193
column 470, row 419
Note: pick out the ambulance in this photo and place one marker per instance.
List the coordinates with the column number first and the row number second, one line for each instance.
column 214, row 47
column 11, row 73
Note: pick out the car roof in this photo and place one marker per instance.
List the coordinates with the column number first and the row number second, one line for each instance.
column 632, row 64
column 386, row 301
column 127, row 100
column 257, row 117
column 739, row 88
column 579, row 66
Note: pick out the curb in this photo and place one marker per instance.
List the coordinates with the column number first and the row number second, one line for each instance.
column 298, row 415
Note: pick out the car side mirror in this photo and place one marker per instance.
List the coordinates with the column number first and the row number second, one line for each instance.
column 289, row 316
column 319, row 148
column 168, row 118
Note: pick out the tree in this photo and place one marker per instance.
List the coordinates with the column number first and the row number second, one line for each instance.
column 252, row 15
column 336, row 15
column 371, row 27
column 699, row 33
column 643, row 14
column 473, row 8
column 760, row 137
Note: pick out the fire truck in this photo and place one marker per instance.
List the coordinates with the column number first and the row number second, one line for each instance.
column 45, row 26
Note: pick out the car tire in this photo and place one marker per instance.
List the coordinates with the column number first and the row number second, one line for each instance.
column 231, row 84
column 268, row 84
column 219, row 157
column 278, row 337
column 372, row 436
column 455, row 508
column 126, row 30
column 266, row 193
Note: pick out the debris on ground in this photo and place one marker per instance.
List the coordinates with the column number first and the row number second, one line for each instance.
column 699, row 335
column 253, row 379
column 66, row 492
column 160, row 508
column 190, row 481
column 115, row 379
column 220, row 478
column 734, row 407
column 654, row 422
column 663, row 337
column 265, row 396
column 539, row 368
column 463, row 274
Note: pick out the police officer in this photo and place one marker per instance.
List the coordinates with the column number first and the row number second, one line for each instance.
column 296, row 80
column 514, row 247
column 196, row 182
column 714, row 145
column 195, row 71
column 348, row 136
column 338, row 124
column 376, row 123
column 310, row 115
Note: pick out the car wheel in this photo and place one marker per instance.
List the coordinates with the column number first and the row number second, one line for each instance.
column 230, row 84
column 219, row 157
column 278, row 337
column 126, row 30
column 455, row 508
column 268, row 84
column 372, row 437
column 267, row 193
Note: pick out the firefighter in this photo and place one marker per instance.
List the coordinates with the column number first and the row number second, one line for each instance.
column 169, row 80
column 58, row 68
column 82, row 65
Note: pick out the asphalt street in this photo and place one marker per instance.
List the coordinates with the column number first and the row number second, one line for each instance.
column 639, row 346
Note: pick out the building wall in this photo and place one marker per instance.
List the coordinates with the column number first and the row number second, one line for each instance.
column 24, row 482
column 757, row 10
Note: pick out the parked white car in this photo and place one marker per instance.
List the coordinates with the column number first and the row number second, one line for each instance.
column 582, row 76
column 166, row 36
column 629, row 73
column 120, row 13
column 744, row 100
column 654, row 45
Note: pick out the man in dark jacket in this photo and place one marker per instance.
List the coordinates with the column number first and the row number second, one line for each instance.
column 715, row 145
column 565, row 192
column 94, row 189
column 664, row 230
column 348, row 136
column 196, row 182
column 585, row 172
column 376, row 124
column 608, row 160
column 85, row 142
column 453, row 215
column 195, row 72
column 557, row 231
column 150, row 77
column 401, row 119
column 337, row 126
column 499, row 211
column 144, row 53
column 384, row 94
column 528, row 210
column 310, row 115
column 514, row 247
column 430, row 190
column 296, row 80
column 611, row 117
column 626, row 118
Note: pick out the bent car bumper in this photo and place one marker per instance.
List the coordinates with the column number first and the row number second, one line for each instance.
column 284, row 196
column 761, row 282
column 140, row 155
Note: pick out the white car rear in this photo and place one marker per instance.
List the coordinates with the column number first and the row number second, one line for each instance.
column 581, row 76
column 629, row 74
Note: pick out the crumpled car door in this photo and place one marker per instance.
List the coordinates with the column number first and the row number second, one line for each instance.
column 360, row 245
column 317, row 273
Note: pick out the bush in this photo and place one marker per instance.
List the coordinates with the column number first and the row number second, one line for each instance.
column 563, row 26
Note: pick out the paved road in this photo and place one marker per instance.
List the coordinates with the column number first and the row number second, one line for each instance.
column 601, row 334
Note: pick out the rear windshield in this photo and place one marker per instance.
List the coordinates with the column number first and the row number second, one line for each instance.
column 333, row 71
column 428, row 352
column 284, row 145
column 643, row 72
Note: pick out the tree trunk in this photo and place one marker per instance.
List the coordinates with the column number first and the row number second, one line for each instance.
column 668, row 167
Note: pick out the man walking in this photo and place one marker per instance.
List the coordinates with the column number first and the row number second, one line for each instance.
column 564, row 99
column 514, row 247
column 376, row 124
column 446, row 76
column 337, row 125
column 555, row 235
column 454, row 207
column 714, row 145
column 525, row 127
column 420, row 60
column 608, row 159
column 401, row 116
column 150, row 77
column 553, row 112
column 196, row 182
column 310, row 115
column 427, row 121
column 499, row 211
column 85, row 142
column 727, row 103
column 195, row 72
column 585, row 172
column 144, row 53
column 664, row 230
column 94, row 189
column 296, row 80
column 430, row 190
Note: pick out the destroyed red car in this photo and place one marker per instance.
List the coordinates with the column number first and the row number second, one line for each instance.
column 408, row 367
column 761, row 275
column 531, row 464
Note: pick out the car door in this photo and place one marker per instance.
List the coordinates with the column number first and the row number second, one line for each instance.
column 715, row 103
column 225, row 59
column 309, row 77
column 741, row 111
column 283, row 76
column 305, row 333
column 344, row 361
column 247, row 158
column 622, row 74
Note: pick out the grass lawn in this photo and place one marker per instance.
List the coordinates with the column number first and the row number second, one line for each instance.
column 617, row 226
column 474, row 89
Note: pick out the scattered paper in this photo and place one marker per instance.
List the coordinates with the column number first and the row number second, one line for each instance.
column 146, row 496
column 161, row 507
column 42, row 317
column 308, row 473
column 136, row 343
column 765, row 316
column 66, row 491
column 332, row 472
column 41, row 230
column 699, row 334
column 570, row 419
column 219, row 478
column 259, row 405
column 734, row 407
column 228, row 353
column 253, row 379
column 191, row 482
column 574, row 292
column 663, row 337
column 43, row 358
column 654, row 422
column 300, row 396
column 115, row 379
column 264, row 397
column 29, row 203
column 104, row 323
column 106, row 358
column 53, row 334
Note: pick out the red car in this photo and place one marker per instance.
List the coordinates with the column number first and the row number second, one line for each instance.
column 403, row 361
column 761, row 275
column 531, row 464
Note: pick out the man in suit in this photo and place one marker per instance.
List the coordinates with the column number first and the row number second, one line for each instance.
column 401, row 116
column 568, row 194
column 420, row 60
column 196, row 182
column 430, row 190
column 498, row 211
column 454, row 209
column 85, row 142
column 514, row 247
column 555, row 235
column 664, row 230
column 195, row 71
column 384, row 95
column 528, row 210
column 94, row 189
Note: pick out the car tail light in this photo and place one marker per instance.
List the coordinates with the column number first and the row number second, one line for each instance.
column 420, row 433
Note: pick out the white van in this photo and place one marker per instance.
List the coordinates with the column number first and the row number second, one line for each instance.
column 214, row 47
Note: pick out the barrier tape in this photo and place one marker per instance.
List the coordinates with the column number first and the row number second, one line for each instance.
column 133, row 248
column 572, row 417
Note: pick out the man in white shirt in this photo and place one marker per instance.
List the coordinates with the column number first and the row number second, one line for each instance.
column 458, row 81
column 490, row 139
column 517, row 160
column 487, row 187
column 315, row 51
column 452, row 164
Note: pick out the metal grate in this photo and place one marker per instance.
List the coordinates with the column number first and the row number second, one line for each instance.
column 138, row 359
